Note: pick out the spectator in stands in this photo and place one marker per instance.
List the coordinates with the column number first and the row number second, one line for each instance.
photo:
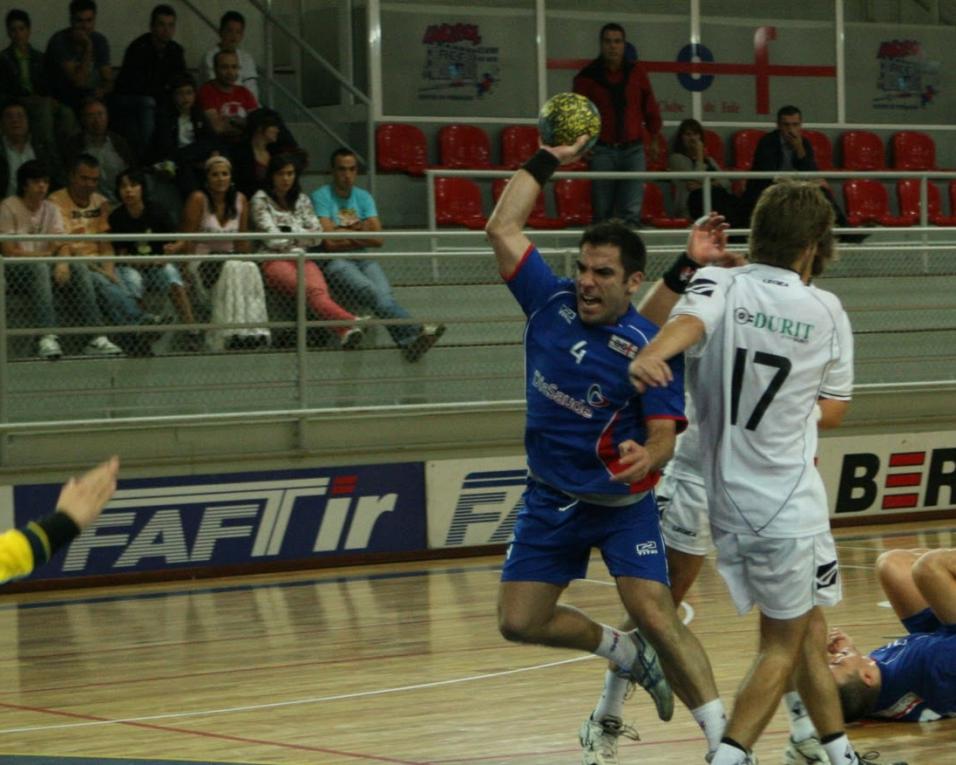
column 623, row 94
column 342, row 206
column 85, row 211
column 137, row 215
column 232, row 28
column 787, row 150
column 227, row 105
column 110, row 148
column 77, row 59
column 283, row 207
column 150, row 63
column 29, row 212
column 19, row 146
column 23, row 79
column 690, row 154
column 184, row 135
column 252, row 155
column 234, row 287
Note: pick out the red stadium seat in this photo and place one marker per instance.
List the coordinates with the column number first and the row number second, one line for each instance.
column 913, row 151
column 822, row 148
column 573, row 200
column 867, row 203
column 539, row 217
column 518, row 144
column 862, row 150
column 653, row 212
column 907, row 194
column 660, row 163
column 400, row 148
column 458, row 203
column 464, row 147
column 745, row 144
column 714, row 145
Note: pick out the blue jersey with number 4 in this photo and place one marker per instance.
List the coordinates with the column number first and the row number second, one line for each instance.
column 581, row 404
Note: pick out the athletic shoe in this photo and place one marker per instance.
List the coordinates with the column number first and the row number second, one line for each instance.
column 49, row 348
column 807, row 752
column 870, row 758
column 352, row 338
column 101, row 346
column 751, row 758
column 418, row 347
column 599, row 739
column 646, row 672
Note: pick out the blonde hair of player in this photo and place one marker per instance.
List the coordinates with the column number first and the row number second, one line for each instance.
column 791, row 217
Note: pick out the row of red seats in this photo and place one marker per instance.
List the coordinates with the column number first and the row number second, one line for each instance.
column 404, row 148
column 458, row 203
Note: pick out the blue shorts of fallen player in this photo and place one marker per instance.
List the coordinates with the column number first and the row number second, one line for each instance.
column 554, row 534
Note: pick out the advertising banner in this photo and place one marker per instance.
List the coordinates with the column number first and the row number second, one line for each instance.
column 239, row 518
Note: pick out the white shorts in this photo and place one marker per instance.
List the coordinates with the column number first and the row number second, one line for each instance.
column 684, row 521
column 785, row 578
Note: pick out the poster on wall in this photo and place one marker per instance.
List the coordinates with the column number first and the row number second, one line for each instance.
column 899, row 74
column 237, row 518
column 441, row 61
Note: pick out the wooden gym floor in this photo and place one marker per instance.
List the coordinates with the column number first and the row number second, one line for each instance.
column 386, row 664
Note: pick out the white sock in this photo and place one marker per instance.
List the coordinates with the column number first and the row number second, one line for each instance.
column 801, row 726
column 611, row 703
column 712, row 719
column 727, row 754
column 616, row 646
column 840, row 751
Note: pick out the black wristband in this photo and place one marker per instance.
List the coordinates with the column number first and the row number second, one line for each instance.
column 60, row 529
column 541, row 166
column 678, row 276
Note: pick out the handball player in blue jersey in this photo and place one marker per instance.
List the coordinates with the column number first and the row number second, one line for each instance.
column 595, row 447
column 914, row 677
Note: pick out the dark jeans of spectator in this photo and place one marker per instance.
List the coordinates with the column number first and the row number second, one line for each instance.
column 732, row 207
column 116, row 301
column 134, row 118
column 78, row 295
column 618, row 199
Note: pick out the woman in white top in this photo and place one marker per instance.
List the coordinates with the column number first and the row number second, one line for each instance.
column 29, row 212
column 234, row 287
column 689, row 154
column 282, row 207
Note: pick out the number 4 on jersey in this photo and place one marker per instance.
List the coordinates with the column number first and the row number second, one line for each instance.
column 782, row 365
column 578, row 350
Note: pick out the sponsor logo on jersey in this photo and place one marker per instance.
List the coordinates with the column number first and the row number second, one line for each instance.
column 567, row 313
column 596, row 396
column 646, row 548
column 827, row 574
column 625, row 347
column 559, row 397
column 701, row 286
column 792, row 329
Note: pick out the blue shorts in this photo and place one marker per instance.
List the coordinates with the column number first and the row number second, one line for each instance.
column 922, row 621
column 554, row 534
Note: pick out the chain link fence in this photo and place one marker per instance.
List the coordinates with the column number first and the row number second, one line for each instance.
column 424, row 320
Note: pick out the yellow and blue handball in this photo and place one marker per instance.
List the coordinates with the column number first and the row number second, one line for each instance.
column 566, row 116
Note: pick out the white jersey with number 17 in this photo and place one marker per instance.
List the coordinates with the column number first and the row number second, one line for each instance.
column 772, row 347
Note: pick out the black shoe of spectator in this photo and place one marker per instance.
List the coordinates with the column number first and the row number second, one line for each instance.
column 852, row 238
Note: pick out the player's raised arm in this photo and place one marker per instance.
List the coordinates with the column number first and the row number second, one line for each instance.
column 650, row 369
column 706, row 246
column 505, row 227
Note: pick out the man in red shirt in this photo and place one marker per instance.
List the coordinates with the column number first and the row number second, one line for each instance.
column 622, row 93
column 225, row 103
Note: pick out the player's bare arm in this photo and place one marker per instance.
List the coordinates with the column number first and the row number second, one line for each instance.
column 650, row 368
column 832, row 412
column 706, row 246
column 505, row 227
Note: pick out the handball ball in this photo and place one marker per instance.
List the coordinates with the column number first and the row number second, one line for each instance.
column 566, row 116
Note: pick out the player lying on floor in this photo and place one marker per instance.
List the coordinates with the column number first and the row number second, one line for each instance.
column 912, row 678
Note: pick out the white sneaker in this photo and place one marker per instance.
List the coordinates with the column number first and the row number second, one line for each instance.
column 49, row 348
column 807, row 752
column 646, row 672
column 353, row 337
column 599, row 739
column 101, row 346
